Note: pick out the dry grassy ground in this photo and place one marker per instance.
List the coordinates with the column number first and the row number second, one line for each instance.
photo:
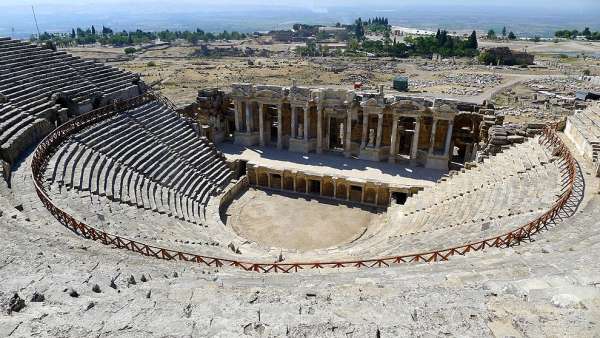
column 179, row 74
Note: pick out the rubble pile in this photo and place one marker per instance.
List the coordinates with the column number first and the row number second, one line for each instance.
column 461, row 84
column 563, row 85
column 499, row 135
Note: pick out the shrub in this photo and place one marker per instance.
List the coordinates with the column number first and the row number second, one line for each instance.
column 129, row 50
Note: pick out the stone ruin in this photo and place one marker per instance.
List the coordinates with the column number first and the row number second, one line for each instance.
column 113, row 224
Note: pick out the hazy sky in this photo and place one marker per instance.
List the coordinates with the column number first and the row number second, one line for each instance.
column 306, row 3
column 525, row 16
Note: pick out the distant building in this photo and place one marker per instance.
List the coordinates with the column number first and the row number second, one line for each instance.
column 585, row 95
column 332, row 30
column 282, row 35
column 400, row 83
column 505, row 56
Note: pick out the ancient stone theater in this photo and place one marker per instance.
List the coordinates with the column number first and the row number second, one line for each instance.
column 285, row 210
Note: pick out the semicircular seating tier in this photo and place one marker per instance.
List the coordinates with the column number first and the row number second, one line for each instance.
column 41, row 88
column 502, row 193
column 93, row 171
column 146, row 157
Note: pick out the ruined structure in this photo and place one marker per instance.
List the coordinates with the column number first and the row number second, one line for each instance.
column 117, row 222
column 365, row 125
column 41, row 88
column 506, row 56
column 583, row 129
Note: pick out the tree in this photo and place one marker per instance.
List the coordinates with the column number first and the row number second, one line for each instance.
column 512, row 36
column 491, row 34
column 93, row 30
column 504, row 31
column 73, row 35
column 472, row 41
column 129, row 50
column 359, row 30
column 586, row 32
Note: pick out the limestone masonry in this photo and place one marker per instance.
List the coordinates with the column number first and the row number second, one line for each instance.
column 297, row 211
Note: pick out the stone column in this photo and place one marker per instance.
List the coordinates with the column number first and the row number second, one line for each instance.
column 280, row 127
column 348, row 141
column 321, row 187
column 392, row 157
column 448, row 138
column 327, row 135
column 294, row 120
column 306, row 123
column 261, row 124
column 379, row 130
column 432, row 138
column 365, row 130
column 319, row 129
column 248, row 117
column 237, row 107
column 334, row 188
column 414, row 147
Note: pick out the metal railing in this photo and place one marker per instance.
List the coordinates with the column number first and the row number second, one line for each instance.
column 51, row 143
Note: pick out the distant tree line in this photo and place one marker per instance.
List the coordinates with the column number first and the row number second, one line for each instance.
column 442, row 43
column 376, row 25
column 107, row 36
column 572, row 34
column 491, row 34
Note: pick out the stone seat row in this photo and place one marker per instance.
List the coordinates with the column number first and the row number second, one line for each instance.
column 503, row 166
column 176, row 139
column 134, row 166
column 105, row 178
column 160, row 229
column 104, row 77
column 512, row 197
column 588, row 123
column 469, row 207
column 30, row 76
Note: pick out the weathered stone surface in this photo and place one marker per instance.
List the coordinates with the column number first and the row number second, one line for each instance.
column 13, row 304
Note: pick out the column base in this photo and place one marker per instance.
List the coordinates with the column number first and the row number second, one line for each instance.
column 374, row 154
column 301, row 146
column 437, row 162
column 218, row 137
column 246, row 139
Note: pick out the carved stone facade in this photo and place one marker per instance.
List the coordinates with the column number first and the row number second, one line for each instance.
column 341, row 189
column 360, row 124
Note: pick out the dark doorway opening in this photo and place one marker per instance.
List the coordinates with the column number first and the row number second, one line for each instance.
column 400, row 197
column 241, row 170
column 315, row 187
column 276, row 181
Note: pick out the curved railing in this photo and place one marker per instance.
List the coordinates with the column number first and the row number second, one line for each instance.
column 51, row 143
